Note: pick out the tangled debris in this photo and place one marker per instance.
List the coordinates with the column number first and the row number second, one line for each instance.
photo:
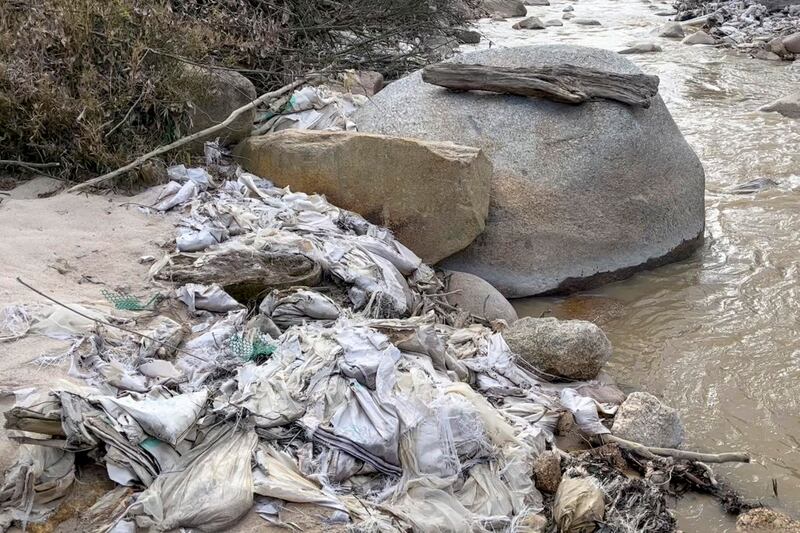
column 84, row 84
column 307, row 357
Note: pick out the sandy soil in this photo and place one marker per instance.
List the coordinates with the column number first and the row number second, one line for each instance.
column 69, row 246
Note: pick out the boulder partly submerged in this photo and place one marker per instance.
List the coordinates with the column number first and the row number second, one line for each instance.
column 581, row 195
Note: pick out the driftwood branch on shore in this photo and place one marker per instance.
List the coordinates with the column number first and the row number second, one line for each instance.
column 563, row 83
column 649, row 452
column 185, row 140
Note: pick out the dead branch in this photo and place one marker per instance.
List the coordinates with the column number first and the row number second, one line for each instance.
column 649, row 452
column 185, row 140
column 562, row 83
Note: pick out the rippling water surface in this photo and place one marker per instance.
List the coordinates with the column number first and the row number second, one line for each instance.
column 716, row 336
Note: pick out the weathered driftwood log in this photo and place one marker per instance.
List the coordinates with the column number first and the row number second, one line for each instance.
column 649, row 452
column 563, row 83
column 243, row 273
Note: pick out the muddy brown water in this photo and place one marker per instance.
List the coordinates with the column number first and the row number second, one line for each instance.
column 716, row 336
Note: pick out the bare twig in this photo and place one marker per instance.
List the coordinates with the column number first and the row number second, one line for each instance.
column 650, row 452
column 121, row 122
column 12, row 163
column 185, row 140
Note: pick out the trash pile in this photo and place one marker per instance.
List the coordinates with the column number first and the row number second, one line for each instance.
column 746, row 24
column 307, row 357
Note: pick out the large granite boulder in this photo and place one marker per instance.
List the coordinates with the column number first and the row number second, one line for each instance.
column 581, row 195
column 215, row 95
column 434, row 196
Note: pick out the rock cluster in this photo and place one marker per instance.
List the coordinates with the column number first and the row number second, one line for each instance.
column 770, row 29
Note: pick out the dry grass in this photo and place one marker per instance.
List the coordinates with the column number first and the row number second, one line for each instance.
column 91, row 83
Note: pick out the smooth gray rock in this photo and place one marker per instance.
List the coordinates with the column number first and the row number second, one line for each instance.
column 567, row 9
column 474, row 295
column 568, row 16
column 465, row 36
column 553, row 22
column 536, row 2
column 586, row 22
column 530, row 23
column 699, row 37
column 792, row 43
column 672, row 30
column 504, row 8
column 665, row 13
column 581, row 195
column 574, row 349
column 218, row 93
column 641, row 48
column 788, row 106
column 644, row 419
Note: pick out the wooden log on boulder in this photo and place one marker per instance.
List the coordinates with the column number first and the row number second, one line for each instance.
column 565, row 83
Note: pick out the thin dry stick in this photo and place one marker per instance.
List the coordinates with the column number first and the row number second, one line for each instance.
column 185, row 140
column 104, row 323
column 649, row 451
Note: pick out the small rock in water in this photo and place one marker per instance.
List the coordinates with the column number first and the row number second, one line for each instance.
column 587, row 22
column 568, row 8
column 530, row 23
column 467, row 36
column 644, row 419
column 665, row 13
column 573, row 349
column 699, row 37
column 792, row 43
column 753, row 186
column 766, row 55
column 553, row 22
column 788, row 106
column 536, row 2
column 567, row 16
column 671, row 30
column 641, row 48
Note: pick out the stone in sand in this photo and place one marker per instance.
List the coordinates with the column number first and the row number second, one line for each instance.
column 641, row 48
column 672, row 30
column 474, row 295
column 788, row 106
column 792, row 43
column 699, row 37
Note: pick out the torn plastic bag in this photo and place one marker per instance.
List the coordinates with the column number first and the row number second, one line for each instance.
column 168, row 335
column 366, row 354
column 198, row 175
column 106, row 511
column 175, row 194
column 276, row 475
column 428, row 450
column 432, row 510
column 41, row 475
column 312, row 108
column 59, row 323
column 579, row 505
column 194, row 241
column 167, row 419
column 485, row 494
column 207, row 298
column 263, row 391
column 585, row 412
column 210, row 489
column 294, row 307
column 160, row 370
column 365, row 430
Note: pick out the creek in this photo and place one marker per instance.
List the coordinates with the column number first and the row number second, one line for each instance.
column 716, row 336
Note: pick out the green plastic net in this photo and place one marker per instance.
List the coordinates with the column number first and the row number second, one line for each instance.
column 257, row 350
column 128, row 302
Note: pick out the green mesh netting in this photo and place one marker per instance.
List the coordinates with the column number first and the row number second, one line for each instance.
column 128, row 302
column 257, row 351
